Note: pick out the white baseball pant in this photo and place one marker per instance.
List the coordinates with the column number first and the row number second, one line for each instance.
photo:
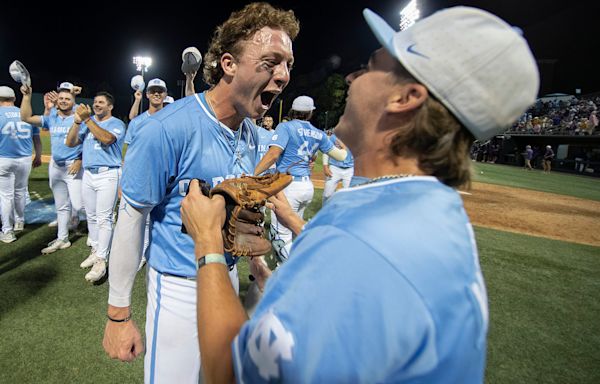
column 337, row 174
column 99, row 192
column 172, row 351
column 14, row 174
column 299, row 195
column 66, row 189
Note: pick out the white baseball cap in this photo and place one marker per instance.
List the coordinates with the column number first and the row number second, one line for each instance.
column 168, row 100
column 66, row 85
column 473, row 62
column 303, row 104
column 19, row 73
column 137, row 83
column 7, row 92
column 157, row 83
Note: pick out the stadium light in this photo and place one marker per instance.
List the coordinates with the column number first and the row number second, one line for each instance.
column 409, row 15
column 142, row 63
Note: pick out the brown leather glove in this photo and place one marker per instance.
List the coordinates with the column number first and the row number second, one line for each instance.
column 243, row 234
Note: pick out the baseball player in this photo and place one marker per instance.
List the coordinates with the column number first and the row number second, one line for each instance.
column 64, row 170
column 383, row 285
column 336, row 171
column 293, row 145
column 209, row 136
column 16, row 140
column 156, row 94
column 102, row 138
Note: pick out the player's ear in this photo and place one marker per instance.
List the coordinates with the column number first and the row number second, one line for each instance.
column 228, row 64
column 406, row 98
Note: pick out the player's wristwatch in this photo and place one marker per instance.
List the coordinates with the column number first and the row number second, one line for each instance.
column 210, row 259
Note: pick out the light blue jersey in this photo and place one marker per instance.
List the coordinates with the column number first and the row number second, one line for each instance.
column 134, row 125
column 388, row 293
column 264, row 139
column 348, row 161
column 96, row 154
column 59, row 129
column 187, row 142
column 15, row 135
column 300, row 141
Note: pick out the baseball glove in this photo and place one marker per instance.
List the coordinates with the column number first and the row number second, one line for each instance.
column 243, row 234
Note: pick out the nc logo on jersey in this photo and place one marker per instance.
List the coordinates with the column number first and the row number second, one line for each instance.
column 270, row 343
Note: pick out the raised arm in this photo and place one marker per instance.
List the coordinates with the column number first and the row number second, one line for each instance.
column 26, row 112
column 135, row 107
column 189, row 83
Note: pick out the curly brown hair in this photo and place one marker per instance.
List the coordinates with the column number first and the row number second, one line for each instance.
column 241, row 26
column 439, row 141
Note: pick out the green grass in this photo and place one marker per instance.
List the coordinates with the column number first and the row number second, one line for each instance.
column 543, row 294
column 553, row 182
column 544, row 308
column 45, row 144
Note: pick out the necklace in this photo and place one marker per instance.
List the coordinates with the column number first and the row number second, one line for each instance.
column 233, row 145
column 387, row 177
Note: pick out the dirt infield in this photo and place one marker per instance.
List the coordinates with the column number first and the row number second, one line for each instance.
column 534, row 213
column 530, row 212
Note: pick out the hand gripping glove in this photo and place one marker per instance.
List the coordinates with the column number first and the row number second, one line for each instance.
column 243, row 234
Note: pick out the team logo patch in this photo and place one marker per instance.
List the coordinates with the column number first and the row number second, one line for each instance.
column 269, row 344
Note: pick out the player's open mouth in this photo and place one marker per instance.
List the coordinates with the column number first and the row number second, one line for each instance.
column 266, row 98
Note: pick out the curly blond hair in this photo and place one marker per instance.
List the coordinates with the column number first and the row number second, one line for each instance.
column 240, row 27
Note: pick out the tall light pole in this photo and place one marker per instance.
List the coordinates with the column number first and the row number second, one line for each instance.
column 142, row 63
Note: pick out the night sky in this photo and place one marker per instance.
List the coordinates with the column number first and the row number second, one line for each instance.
column 93, row 43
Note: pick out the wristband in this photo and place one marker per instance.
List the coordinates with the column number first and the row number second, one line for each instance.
column 210, row 258
column 120, row 320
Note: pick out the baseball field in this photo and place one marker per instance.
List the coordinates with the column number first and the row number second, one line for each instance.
column 539, row 242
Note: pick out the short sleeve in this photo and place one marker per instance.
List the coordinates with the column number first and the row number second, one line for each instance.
column 149, row 165
column 325, row 145
column 281, row 136
column 116, row 127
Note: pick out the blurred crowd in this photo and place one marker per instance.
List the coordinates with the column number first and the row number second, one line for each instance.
column 560, row 117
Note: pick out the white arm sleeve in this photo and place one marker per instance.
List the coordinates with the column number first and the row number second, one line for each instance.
column 338, row 154
column 325, row 159
column 125, row 253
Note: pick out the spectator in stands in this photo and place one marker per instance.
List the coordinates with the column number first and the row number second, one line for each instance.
column 592, row 122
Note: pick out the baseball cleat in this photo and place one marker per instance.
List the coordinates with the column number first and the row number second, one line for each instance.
column 98, row 271
column 19, row 226
column 8, row 237
column 191, row 60
column 89, row 261
column 55, row 245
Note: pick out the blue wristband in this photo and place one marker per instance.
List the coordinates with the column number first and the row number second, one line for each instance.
column 210, row 258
